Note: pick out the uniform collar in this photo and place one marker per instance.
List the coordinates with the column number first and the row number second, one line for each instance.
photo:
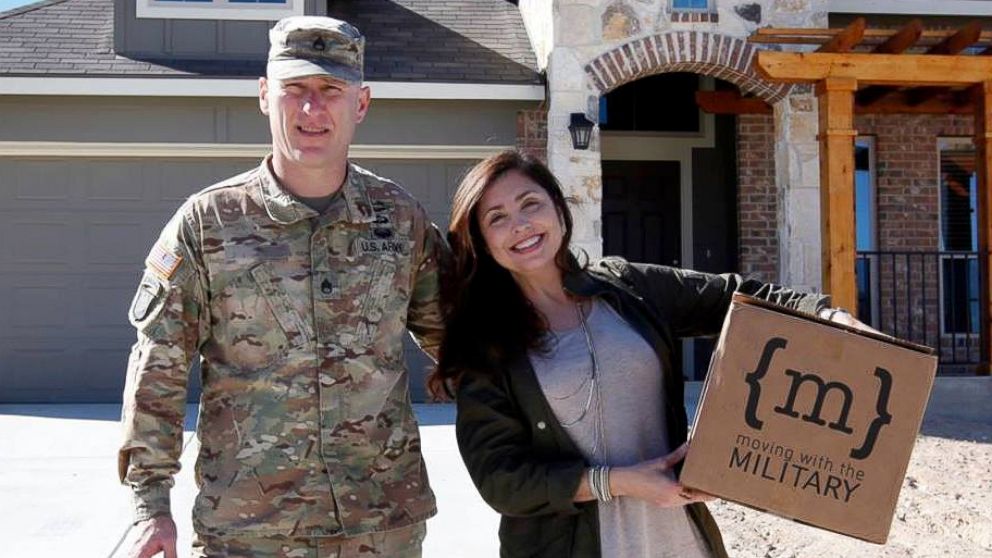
column 284, row 208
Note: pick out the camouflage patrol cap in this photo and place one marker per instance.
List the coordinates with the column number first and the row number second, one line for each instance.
column 313, row 45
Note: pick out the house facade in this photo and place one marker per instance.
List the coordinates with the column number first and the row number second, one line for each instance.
column 741, row 191
column 113, row 111
column 110, row 116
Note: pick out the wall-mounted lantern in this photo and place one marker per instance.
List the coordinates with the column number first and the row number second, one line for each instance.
column 581, row 130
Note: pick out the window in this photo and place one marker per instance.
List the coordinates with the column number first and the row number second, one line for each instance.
column 262, row 10
column 958, row 236
column 692, row 5
column 659, row 103
column 866, row 266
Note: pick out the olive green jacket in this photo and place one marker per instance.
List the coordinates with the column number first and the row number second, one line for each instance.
column 523, row 461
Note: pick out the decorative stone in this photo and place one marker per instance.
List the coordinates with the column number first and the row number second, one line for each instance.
column 749, row 12
column 801, row 103
column 791, row 6
column 620, row 22
column 593, row 188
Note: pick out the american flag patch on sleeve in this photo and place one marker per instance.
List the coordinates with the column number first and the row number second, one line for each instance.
column 163, row 263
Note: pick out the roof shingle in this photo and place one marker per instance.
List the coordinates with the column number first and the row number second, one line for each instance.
column 475, row 41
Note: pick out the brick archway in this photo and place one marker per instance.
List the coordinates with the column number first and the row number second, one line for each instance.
column 711, row 54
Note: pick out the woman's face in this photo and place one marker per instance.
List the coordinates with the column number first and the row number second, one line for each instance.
column 520, row 224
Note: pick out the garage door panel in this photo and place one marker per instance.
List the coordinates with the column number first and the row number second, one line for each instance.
column 45, row 239
column 114, row 181
column 106, row 307
column 113, row 242
column 73, row 238
column 39, row 307
column 35, row 181
column 24, row 366
column 96, row 374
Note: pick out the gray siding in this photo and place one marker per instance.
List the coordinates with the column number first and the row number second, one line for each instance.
column 193, row 38
column 210, row 120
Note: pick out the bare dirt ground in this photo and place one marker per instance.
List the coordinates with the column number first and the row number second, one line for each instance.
column 944, row 509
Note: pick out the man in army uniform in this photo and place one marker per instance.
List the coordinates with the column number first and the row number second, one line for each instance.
column 295, row 283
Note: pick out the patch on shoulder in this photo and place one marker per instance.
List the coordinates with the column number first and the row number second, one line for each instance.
column 162, row 262
column 147, row 298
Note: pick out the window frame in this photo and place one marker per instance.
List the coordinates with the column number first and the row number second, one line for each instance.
column 218, row 9
column 950, row 143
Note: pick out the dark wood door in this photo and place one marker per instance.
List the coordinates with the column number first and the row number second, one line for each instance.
column 642, row 211
column 642, row 215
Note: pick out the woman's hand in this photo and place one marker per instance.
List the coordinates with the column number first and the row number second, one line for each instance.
column 841, row 316
column 652, row 481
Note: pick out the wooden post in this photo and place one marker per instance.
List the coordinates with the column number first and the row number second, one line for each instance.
column 836, row 105
column 983, row 137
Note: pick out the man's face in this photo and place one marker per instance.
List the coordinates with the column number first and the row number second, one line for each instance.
column 312, row 118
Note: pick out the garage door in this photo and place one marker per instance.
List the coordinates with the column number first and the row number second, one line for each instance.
column 73, row 234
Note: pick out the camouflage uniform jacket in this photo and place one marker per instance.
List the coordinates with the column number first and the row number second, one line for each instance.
column 305, row 424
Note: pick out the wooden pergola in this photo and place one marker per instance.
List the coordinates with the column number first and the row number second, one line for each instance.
column 859, row 70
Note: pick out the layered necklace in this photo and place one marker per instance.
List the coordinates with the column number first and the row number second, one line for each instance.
column 594, row 395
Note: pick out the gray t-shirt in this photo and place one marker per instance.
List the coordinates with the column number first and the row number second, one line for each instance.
column 633, row 427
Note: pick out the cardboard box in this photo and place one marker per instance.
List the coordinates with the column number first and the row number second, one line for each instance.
column 808, row 419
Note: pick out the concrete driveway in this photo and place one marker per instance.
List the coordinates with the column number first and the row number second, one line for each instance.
column 59, row 494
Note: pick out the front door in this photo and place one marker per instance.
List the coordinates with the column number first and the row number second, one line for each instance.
column 642, row 211
column 642, row 217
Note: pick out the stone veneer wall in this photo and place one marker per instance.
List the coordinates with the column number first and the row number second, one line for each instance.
column 602, row 44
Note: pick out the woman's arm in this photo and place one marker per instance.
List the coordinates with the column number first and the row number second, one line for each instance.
column 696, row 303
column 495, row 441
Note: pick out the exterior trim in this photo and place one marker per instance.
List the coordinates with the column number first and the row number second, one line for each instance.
column 218, row 9
column 916, row 7
column 60, row 149
column 240, row 87
column 711, row 54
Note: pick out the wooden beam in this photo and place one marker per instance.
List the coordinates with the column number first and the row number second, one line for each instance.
column 983, row 148
column 902, row 39
column 938, row 34
column 837, row 231
column 846, row 39
column 874, row 69
column 730, row 102
column 895, row 44
column 965, row 37
column 962, row 39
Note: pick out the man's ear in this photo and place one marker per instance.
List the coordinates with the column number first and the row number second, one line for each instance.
column 263, row 95
column 364, row 100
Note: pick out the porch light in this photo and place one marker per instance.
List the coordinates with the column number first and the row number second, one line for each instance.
column 581, row 130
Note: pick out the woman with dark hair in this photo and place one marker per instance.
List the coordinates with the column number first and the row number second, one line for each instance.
column 571, row 419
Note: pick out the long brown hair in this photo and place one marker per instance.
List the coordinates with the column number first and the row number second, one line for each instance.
column 488, row 318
